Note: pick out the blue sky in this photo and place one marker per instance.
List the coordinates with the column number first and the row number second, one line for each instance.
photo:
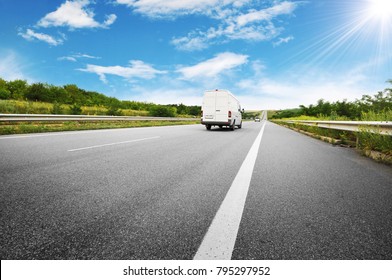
column 271, row 54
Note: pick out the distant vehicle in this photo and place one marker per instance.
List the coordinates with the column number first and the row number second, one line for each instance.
column 221, row 108
column 257, row 119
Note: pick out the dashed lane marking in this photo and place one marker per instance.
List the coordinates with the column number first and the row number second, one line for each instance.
column 112, row 144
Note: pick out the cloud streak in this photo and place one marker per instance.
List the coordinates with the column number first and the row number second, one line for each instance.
column 283, row 40
column 31, row 35
column 136, row 70
column 175, row 8
column 76, row 57
column 214, row 66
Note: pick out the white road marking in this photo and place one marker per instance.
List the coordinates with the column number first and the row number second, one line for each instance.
column 44, row 134
column 111, row 144
column 219, row 241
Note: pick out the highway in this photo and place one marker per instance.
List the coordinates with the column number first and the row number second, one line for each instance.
column 155, row 193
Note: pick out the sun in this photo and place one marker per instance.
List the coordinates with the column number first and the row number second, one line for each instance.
column 380, row 9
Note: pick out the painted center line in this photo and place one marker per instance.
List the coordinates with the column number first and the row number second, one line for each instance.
column 219, row 241
column 112, row 144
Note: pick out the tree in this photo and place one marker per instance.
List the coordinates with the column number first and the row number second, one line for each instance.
column 195, row 110
column 304, row 110
column 4, row 92
column 37, row 92
column 18, row 89
column 74, row 94
column 182, row 109
column 58, row 94
column 323, row 107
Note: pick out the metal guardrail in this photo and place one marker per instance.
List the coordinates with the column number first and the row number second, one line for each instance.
column 384, row 128
column 61, row 118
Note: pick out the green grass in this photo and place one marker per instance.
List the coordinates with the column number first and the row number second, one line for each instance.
column 38, row 127
column 25, row 107
column 319, row 118
column 385, row 115
column 374, row 142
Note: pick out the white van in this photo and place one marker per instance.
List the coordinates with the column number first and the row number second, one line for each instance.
column 221, row 108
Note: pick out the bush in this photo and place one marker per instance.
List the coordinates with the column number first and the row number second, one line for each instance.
column 162, row 111
column 57, row 110
column 76, row 109
column 4, row 93
column 114, row 111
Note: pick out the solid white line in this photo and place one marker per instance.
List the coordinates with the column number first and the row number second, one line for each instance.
column 219, row 241
column 111, row 144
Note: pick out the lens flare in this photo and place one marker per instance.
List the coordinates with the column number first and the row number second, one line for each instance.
column 381, row 9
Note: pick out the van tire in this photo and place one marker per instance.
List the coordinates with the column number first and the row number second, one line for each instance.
column 240, row 126
column 232, row 127
column 208, row 126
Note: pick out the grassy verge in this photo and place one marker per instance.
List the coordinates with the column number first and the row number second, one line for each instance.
column 376, row 146
column 38, row 127
column 30, row 107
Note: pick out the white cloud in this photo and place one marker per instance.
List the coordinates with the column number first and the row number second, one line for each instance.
column 75, row 14
column 80, row 55
column 75, row 57
column 110, row 19
column 283, row 40
column 172, row 8
column 236, row 24
column 214, row 66
column 31, row 35
column 190, row 43
column 68, row 58
column 267, row 14
column 136, row 69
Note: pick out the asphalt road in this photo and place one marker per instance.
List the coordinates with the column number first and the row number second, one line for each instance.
column 152, row 193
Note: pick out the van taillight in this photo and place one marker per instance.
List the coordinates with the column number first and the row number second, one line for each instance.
column 229, row 114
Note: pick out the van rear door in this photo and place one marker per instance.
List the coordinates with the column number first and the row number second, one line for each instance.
column 221, row 106
column 209, row 106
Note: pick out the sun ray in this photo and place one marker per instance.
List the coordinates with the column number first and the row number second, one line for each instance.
column 360, row 27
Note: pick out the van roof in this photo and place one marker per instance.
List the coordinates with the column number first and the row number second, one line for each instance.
column 222, row 90
column 218, row 90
